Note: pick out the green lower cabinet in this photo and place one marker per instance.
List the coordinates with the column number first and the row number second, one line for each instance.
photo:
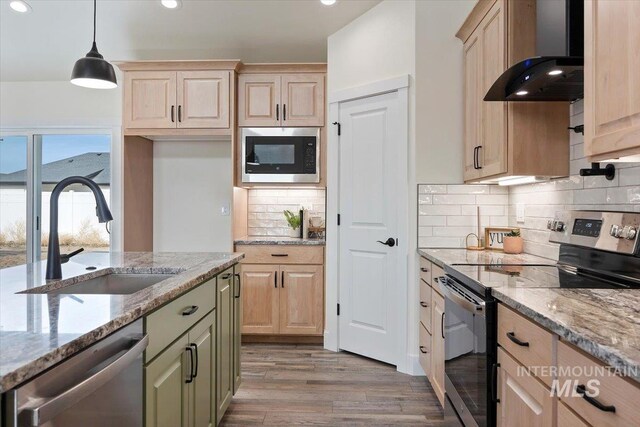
column 180, row 381
column 225, row 330
column 237, row 320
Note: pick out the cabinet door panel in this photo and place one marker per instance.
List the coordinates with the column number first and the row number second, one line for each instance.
column 150, row 97
column 224, row 309
column 303, row 100
column 301, row 299
column 612, row 80
column 258, row 99
column 203, row 99
column 166, row 396
column 437, row 346
column 493, row 115
column 237, row 325
column 472, row 105
column 202, row 391
column 524, row 401
column 260, row 299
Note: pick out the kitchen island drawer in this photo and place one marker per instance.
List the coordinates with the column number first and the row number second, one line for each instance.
column 172, row 320
column 281, row 254
column 527, row 342
column 425, row 270
column 600, row 397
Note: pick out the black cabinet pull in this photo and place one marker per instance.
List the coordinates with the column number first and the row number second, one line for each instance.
column 424, row 304
column 173, row 114
column 190, row 378
column 475, row 157
column 442, row 325
column 494, row 382
column 195, row 367
column 512, row 337
column 279, row 255
column 237, row 275
column 478, row 156
column 424, row 270
column 423, row 349
column 226, row 276
column 275, row 279
column 277, row 112
column 282, row 279
column 284, row 111
column 189, row 310
column 580, row 389
column 180, row 113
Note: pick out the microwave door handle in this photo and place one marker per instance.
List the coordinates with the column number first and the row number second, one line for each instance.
column 459, row 300
column 36, row 416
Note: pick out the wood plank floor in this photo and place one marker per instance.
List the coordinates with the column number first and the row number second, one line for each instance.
column 284, row 385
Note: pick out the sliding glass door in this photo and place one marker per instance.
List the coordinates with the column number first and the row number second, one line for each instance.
column 30, row 167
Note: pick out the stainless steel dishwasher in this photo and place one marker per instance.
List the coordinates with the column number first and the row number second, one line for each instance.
column 100, row 386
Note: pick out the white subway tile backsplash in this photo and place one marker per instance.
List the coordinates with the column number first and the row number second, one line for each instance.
column 454, row 199
column 429, row 189
column 468, row 189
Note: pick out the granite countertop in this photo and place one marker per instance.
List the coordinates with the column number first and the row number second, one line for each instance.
column 39, row 330
column 277, row 240
column 603, row 322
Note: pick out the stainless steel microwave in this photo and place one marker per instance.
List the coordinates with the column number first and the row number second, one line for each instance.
column 280, row 155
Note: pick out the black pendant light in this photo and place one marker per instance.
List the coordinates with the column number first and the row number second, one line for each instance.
column 93, row 71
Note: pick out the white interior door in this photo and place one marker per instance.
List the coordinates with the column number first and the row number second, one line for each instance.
column 369, row 183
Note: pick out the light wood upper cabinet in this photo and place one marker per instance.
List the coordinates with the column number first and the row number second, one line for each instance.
column 259, row 283
column 259, row 100
column 503, row 139
column 301, row 302
column 303, row 100
column 523, row 400
column 612, row 79
column 203, row 99
column 177, row 99
column 150, row 99
column 293, row 100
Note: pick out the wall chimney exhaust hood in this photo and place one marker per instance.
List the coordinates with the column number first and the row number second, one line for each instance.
column 557, row 73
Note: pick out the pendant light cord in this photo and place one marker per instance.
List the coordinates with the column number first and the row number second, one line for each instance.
column 94, row 20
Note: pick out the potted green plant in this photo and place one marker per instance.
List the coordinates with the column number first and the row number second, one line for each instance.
column 513, row 242
column 294, row 223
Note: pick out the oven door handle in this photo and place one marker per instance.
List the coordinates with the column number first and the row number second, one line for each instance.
column 475, row 308
column 36, row 416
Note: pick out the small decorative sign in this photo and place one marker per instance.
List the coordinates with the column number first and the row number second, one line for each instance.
column 494, row 237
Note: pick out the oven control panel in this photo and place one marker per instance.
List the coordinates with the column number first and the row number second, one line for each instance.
column 610, row 231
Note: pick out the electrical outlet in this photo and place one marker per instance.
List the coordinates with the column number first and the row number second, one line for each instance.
column 225, row 210
column 520, row 212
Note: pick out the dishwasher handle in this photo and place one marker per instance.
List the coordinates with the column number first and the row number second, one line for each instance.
column 43, row 412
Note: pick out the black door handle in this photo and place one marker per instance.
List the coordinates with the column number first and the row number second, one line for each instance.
column 237, row 275
column 442, row 325
column 423, row 349
column 190, row 379
column 277, row 112
column 195, row 367
column 475, row 157
column 512, row 337
column 391, row 242
column 581, row 390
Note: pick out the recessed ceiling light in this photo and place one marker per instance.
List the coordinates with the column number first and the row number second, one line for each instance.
column 20, row 6
column 554, row 72
column 171, row 4
column 522, row 92
column 327, row 2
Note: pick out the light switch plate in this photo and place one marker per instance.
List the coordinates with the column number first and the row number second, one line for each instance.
column 520, row 212
column 225, row 210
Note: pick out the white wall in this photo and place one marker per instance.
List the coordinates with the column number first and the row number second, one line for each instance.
column 191, row 182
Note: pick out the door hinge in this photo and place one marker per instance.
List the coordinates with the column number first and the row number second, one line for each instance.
column 338, row 219
column 339, row 127
column 338, row 309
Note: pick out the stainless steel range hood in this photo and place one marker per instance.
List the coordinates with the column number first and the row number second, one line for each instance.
column 557, row 73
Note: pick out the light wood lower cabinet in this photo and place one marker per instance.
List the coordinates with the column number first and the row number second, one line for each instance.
column 437, row 345
column 283, row 290
column 566, row 417
column 523, row 400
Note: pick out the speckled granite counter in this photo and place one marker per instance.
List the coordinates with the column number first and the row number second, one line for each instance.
column 39, row 330
column 277, row 240
column 603, row 322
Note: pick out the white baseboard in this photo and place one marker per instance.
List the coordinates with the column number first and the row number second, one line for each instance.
column 414, row 366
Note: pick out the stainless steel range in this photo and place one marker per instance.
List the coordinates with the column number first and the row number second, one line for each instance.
column 597, row 250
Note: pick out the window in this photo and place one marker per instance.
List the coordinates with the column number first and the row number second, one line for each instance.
column 33, row 165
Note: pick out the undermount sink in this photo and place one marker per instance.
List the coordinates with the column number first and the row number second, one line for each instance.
column 114, row 283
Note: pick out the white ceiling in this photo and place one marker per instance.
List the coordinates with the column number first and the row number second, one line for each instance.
column 44, row 44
